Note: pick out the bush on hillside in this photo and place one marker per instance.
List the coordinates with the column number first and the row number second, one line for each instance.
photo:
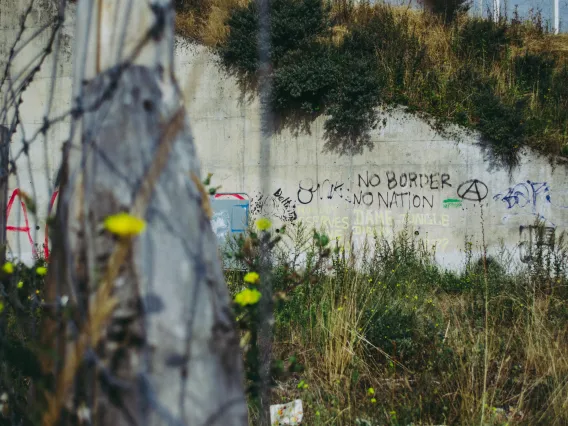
column 482, row 39
column 449, row 10
column 478, row 74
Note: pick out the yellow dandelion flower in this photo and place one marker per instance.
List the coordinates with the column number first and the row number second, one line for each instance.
column 373, row 400
column 20, row 284
column 251, row 278
column 247, row 297
column 263, row 224
column 37, row 291
column 124, row 225
column 41, row 270
column 8, row 268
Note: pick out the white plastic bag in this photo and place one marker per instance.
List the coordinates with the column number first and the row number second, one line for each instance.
column 286, row 414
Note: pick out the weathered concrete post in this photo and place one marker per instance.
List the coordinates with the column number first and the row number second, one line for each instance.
column 154, row 340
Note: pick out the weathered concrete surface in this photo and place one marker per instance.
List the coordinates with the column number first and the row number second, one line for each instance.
column 362, row 193
column 341, row 193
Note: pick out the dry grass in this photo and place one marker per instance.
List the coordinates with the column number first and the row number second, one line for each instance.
column 548, row 43
column 522, row 348
column 341, row 325
column 188, row 26
column 208, row 25
column 535, row 353
column 528, row 346
column 216, row 30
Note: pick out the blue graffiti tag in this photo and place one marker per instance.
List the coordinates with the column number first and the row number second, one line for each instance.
column 534, row 195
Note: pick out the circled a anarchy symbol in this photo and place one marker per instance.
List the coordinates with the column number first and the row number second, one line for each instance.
column 472, row 190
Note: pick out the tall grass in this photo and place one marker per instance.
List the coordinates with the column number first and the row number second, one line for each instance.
column 431, row 344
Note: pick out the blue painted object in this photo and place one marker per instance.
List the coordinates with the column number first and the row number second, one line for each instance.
column 230, row 216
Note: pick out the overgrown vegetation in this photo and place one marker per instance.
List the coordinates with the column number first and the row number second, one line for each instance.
column 505, row 80
column 373, row 336
column 22, row 308
column 392, row 338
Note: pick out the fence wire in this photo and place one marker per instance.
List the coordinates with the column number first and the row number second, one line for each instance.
column 40, row 127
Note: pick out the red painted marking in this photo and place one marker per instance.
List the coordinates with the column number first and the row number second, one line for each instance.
column 237, row 196
column 26, row 229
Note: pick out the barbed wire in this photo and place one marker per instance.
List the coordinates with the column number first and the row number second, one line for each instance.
column 30, row 51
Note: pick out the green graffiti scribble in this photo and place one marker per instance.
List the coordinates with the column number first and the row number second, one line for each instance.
column 452, row 202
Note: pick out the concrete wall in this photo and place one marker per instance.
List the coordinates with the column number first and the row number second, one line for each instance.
column 446, row 190
column 48, row 95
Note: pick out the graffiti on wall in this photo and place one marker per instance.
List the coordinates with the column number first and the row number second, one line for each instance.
column 26, row 229
column 383, row 191
column 221, row 222
column 276, row 205
column 364, row 222
column 452, row 203
column 529, row 199
column 472, row 190
column 370, row 203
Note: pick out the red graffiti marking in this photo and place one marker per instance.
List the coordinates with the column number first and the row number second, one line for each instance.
column 26, row 229
column 237, row 196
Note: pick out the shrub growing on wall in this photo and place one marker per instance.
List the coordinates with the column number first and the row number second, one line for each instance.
column 485, row 76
